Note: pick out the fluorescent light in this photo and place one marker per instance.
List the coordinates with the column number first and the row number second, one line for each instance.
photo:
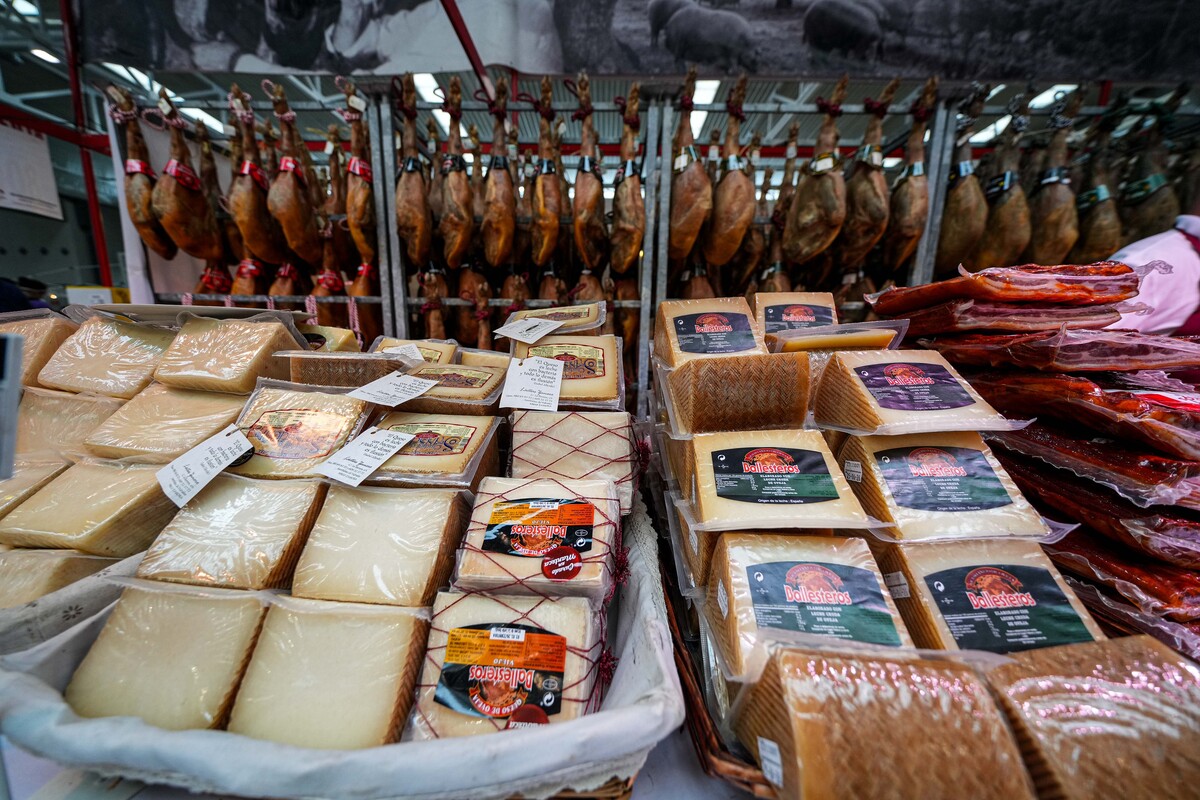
column 430, row 92
column 1047, row 97
column 25, row 8
column 45, row 56
column 992, row 131
column 705, row 93
column 203, row 116
column 1000, row 87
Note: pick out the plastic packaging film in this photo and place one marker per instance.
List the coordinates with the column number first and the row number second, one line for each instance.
column 877, row 335
column 226, row 355
column 460, row 390
column 691, row 329
column 736, row 392
column 1116, row 613
column 1067, row 350
column 237, row 533
column 53, row 423
column 97, row 507
column 576, row 445
column 448, row 450
column 43, row 332
column 161, row 422
column 936, row 486
column 170, row 656
column 294, row 428
column 26, row 575
column 470, row 357
column 29, row 475
column 540, row 660
column 821, row 585
column 340, row 369
column 332, row 676
column 1118, row 718
column 787, row 311
column 551, row 537
column 970, row 315
column 998, row 595
column 592, row 365
column 107, row 356
column 386, row 546
column 324, row 339
column 814, row 720
column 435, row 351
column 574, row 319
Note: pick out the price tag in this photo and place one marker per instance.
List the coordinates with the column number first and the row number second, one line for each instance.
column 533, row 383
column 355, row 462
column 392, row 390
column 356, row 102
column 406, row 350
column 853, row 471
column 528, row 330
column 183, row 478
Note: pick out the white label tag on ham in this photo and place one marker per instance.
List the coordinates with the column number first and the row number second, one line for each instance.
column 164, row 106
column 681, row 161
column 528, row 330
column 183, row 478
column 356, row 103
column 355, row 462
column 328, row 148
column 822, row 164
column 533, row 384
column 791, row 151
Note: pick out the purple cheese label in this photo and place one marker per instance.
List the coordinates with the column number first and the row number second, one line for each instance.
column 794, row 316
column 904, row 386
column 712, row 333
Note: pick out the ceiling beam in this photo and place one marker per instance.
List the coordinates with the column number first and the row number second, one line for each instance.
column 19, row 116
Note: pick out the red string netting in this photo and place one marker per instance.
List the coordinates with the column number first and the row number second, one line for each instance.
column 620, row 470
column 635, row 122
column 494, row 108
column 828, row 108
column 875, row 107
column 919, row 112
column 121, row 116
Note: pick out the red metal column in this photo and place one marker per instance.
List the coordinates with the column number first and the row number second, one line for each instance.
column 468, row 44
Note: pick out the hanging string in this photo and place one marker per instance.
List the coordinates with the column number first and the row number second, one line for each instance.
column 494, row 108
column 635, row 122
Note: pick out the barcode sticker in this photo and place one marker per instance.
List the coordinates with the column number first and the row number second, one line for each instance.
column 770, row 760
column 897, row 585
column 853, row 470
column 722, row 599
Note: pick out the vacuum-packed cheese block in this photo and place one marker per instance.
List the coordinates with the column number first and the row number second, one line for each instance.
column 169, row 656
column 552, row 537
column 435, row 351
column 237, row 533
column 97, row 507
column 107, row 356
column 330, row 676
column 770, row 479
column 857, row 336
column 324, row 339
column 26, row 575
column 225, row 355
column 470, row 357
column 678, row 457
column 591, row 365
column 575, row 444
column 689, row 329
column 293, row 430
column 460, row 390
column 160, row 423
column 787, row 311
column 697, row 548
column 29, row 475
column 899, row 391
column 448, row 449
column 858, row 725
column 573, row 318
column 1000, row 595
column 496, row 662
column 340, row 369
column 936, row 486
column 740, row 392
column 388, row 546
column 1118, row 718
column 59, row 422
column 43, row 334
column 821, row 585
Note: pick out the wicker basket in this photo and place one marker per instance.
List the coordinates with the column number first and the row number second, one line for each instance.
column 613, row 790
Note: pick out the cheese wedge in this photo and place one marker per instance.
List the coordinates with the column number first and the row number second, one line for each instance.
column 677, row 454
column 106, row 356
column 1118, row 718
column 160, row 423
column 330, row 676
column 388, row 546
column 339, row 369
column 97, row 507
column 936, row 486
column 697, row 549
column 541, row 536
column 591, row 365
column 237, row 534
column 447, row 449
column 538, row 657
column 323, row 339
column 575, row 445
column 814, row 722
column 435, row 351
column 899, row 391
column 573, row 318
column 469, row 357
column 225, row 355
column 739, row 392
column 293, row 431
column 43, row 335
column 26, row 575
column 29, row 475
column 171, row 657
column 846, row 337
column 460, row 390
column 688, row 329
column 770, row 479
column 820, row 585
column 789, row 311
column 59, row 422
column 1000, row 595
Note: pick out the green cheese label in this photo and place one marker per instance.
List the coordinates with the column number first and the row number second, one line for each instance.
column 772, row 475
column 941, row 479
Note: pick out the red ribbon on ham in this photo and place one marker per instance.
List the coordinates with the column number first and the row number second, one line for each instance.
column 249, row 268
column 360, row 167
column 183, row 174
column 292, row 165
column 331, row 281
column 133, row 166
column 255, row 172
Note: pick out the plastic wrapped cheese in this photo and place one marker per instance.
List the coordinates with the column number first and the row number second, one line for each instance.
column 460, row 390
column 879, row 335
column 493, row 662
column 591, row 365
column 689, row 329
column 171, row 656
column 575, row 444
column 470, row 357
column 1118, row 718
column 294, row 428
column 331, row 676
column 340, row 369
column 848, row 726
column 107, row 356
column 1000, row 595
column 786, row 311
column 738, row 392
column 448, row 450
column 936, row 486
column 435, row 351
column 160, row 423
column 552, row 537
column 26, row 575
column 97, row 507
column 59, row 422
column 821, row 585
column 387, row 546
column 43, row 332
column 29, row 475
column 237, row 533
column 226, row 355
column 574, row 319
column 324, row 339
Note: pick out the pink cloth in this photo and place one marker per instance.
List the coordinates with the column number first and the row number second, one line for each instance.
column 1174, row 297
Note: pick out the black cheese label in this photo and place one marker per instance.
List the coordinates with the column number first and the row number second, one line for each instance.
column 772, row 475
column 712, row 333
column 531, row 528
column 913, row 387
column 941, row 479
column 496, row 669
column 793, row 316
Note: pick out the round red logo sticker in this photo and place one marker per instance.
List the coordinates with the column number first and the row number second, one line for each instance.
column 528, row 717
column 562, row 563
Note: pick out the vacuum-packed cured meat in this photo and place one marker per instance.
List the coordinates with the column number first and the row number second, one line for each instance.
column 1069, row 350
column 971, row 315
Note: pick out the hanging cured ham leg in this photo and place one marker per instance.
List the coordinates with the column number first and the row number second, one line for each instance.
column 457, row 221
column 414, row 219
column 499, row 196
column 1053, row 214
column 178, row 199
column 547, row 201
column 691, row 189
column 336, row 239
column 261, row 234
column 216, row 278
column 754, row 247
column 966, row 212
column 1096, row 204
column 591, row 233
column 733, row 199
column 629, row 211
column 1008, row 228
column 289, row 198
column 1149, row 204
column 360, row 196
column 909, row 208
column 139, row 177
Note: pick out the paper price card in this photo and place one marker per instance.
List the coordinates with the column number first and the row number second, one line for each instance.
column 183, row 478
column 528, row 330
column 355, row 462
column 392, row 390
column 406, row 350
column 533, row 383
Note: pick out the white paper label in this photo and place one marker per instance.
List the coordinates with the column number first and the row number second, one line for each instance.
column 356, row 102
column 183, row 478
column 164, row 106
column 355, row 462
column 722, row 599
column 849, row 278
column 329, row 148
column 392, row 390
column 528, row 330
column 853, row 470
column 791, row 151
column 238, row 104
column 771, row 761
column 681, row 161
column 822, row 165
column 507, row 634
column 897, row 585
column 407, row 350
column 230, row 130
column 875, row 158
column 533, row 384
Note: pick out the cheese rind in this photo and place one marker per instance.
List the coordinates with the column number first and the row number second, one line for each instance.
column 42, row 337
column 460, row 390
column 225, row 355
column 591, row 365
column 738, row 392
column 330, row 340
column 339, row 369
column 106, row 356
column 470, row 357
column 689, row 329
column 172, row 658
column 575, row 445
column 51, row 422
column 447, row 450
column 160, row 423
column 573, row 318
column 26, row 575
column 838, row 337
column 435, row 351
column 784, row 311
column 29, row 475
column 330, row 676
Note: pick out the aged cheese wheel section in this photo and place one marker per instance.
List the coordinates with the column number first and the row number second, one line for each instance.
column 160, row 423
column 690, row 329
column 844, row 337
column 434, row 351
column 575, row 445
column 237, row 533
column 107, row 357
column 171, row 657
column 324, row 339
column 573, row 318
column 294, row 430
column 1000, row 595
column 340, row 369
column 42, row 335
column 446, row 449
column 936, row 485
column 789, row 311
column 494, row 663
column 820, row 585
column 591, row 365
column 460, row 390
column 26, row 575
column 226, row 355
column 29, row 475
column 739, row 392
column 335, row 676
column 58, row 422
column 387, row 546
column 469, row 357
